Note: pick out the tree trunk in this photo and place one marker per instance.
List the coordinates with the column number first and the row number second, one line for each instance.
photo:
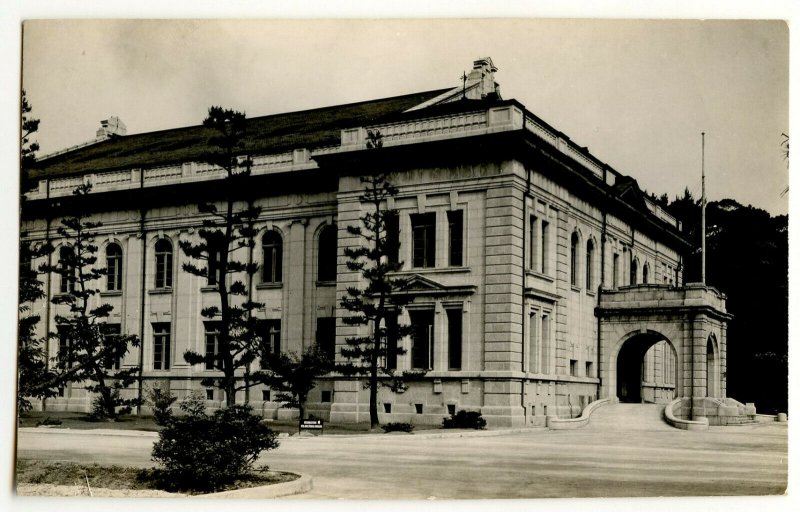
column 373, row 383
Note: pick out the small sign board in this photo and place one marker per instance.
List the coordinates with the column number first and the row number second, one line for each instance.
column 312, row 426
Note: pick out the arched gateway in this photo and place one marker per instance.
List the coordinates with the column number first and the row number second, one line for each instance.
column 690, row 327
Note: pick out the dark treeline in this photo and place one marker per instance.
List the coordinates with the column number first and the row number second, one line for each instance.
column 747, row 258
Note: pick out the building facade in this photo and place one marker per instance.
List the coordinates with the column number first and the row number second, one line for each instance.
column 541, row 278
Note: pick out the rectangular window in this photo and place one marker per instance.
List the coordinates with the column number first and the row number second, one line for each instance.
column 213, row 271
column 422, row 339
column 546, row 348
column 533, row 343
column 544, row 245
column 326, row 337
column 265, row 395
column 533, row 234
column 391, row 340
column 455, row 221
column 573, row 367
column 163, row 269
column 589, row 369
column 454, row 339
column 161, row 346
column 212, row 343
column 111, row 333
column 270, row 339
column 615, row 271
column 209, row 394
column 423, row 228
column 326, row 396
column 65, row 345
column 65, row 261
column 393, row 236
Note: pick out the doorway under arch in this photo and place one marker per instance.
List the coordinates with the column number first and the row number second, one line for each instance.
column 632, row 374
column 712, row 367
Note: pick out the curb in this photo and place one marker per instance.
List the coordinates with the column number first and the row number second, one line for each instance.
column 299, row 486
column 89, row 432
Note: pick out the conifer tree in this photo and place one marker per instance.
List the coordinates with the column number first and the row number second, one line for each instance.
column 375, row 305
column 294, row 376
column 226, row 238
column 86, row 352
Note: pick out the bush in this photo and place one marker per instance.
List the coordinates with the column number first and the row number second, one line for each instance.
column 398, row 427
column 207, row 452
column 465, row 419
column 161, row 401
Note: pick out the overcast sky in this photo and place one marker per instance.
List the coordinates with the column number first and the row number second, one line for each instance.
column 637, row 93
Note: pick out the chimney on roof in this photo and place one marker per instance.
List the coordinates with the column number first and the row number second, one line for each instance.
column 111, row 127
column 483, row 73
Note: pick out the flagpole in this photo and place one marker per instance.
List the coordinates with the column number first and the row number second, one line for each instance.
column 703, row 211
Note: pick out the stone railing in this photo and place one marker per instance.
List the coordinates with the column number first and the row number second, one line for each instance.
column 556, row 423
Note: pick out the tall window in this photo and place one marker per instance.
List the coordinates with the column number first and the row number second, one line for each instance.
column 212, row 343
column 66, row 258
column 214, row 271
column 161, row 346
column 326, row 255
column 113, row 267
column 390, row 321
column 326, row 336
column 422, row 339
column 573, row 260
column 547, row 349
column 615, row 271
column 544, row 247
column 454, row 340
column 645, row 273
column 393, row 236
column 423, row 227
column 634, row 270
column 533, row 234
column 589, row 263
column 270, row 339
column 455, row 222
column 534, row 343
column 110, row 334
column 65, row 351
column 272, row 247
column 163, row 264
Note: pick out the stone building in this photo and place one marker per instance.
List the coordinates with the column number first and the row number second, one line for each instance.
column 542, row 279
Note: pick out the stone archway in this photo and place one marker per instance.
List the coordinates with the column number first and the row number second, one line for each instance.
column 629, row 365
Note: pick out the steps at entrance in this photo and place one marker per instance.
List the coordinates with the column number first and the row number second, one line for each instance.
column 621, row 417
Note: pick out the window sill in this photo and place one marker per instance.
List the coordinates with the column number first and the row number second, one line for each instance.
column 160, row 291
column 325, row 283
column 575, row 288
column 590, row 292
column 539, row 275
column 269, row 286
column 212, row 288
column 111, row 293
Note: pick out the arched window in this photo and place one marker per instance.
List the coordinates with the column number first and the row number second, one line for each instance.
column 645, row 273
column 634, row 270
column 574, row 260
column 589, row 263
column 66, row 261
column 113, row 267
column 272, row 247
column 326, row 254
column 163, row 264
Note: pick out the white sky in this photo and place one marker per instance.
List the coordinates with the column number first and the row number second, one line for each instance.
column 637, row 93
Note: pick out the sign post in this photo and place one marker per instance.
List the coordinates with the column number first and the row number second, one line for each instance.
column 315, row 426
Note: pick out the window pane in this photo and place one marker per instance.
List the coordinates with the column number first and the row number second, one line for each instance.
column 212, row 342
column 423, row 227
column 161, row 346
column 454, row 338
column 455, row 221
column 326, row 336
column 422, row 339
column 326, row 256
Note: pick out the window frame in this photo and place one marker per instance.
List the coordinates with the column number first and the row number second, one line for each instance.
column 423, row 231
column 164, row 262
column 114, row 267
column 327, row 247
column 162, row 344
column 455, row 238
column 273, row 248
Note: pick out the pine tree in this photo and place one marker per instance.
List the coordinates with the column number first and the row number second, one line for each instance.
column 375, row 306
column 86, row 352
column 225, row 232
column 294, row 376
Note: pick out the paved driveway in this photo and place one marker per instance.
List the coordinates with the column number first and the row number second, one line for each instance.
column 581, row 463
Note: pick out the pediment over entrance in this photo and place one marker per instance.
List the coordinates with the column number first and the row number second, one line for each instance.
column 421, row 285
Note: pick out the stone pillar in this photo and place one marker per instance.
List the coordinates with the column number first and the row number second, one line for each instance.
column 295, row 270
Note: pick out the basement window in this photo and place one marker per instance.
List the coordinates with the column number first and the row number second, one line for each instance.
column 451, row 409
column 387, row 408
column 418, row 408
column 209, row 394
column 265, row 395
column 326, row 396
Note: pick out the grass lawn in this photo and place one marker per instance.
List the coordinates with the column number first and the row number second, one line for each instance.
column 88, row 476
column 81, row 421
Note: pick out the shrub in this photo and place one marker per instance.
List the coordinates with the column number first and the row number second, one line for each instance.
column 465, row 419
column 207, row 452
column 397, row 427
column 161, row 401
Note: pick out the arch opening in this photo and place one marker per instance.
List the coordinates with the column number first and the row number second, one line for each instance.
column 712, row 367
column 647, row 369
